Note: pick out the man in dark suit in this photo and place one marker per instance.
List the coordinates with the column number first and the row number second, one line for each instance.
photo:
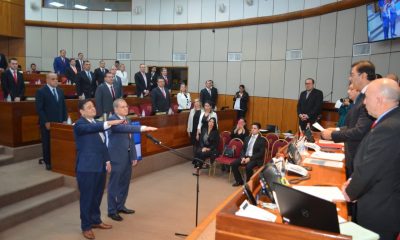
column 117, row 82
column 100, row 72
column 85, row 82
column 167, row 79
column 375, row 182
column 160, row 97
column 142, row 81
column 50, row 106
column 309, row 104
column 61, row 63
column 153, row 78
column 209, row 93
column 123, row 156
column 79, row 62
column 3, row 62
column 92, row 161
column 358, row 122
column 72, row 72
column 251, row 156
column 105, row 95
column 12, row 82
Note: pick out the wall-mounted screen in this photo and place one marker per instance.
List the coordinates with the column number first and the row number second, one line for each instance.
column 383, row 20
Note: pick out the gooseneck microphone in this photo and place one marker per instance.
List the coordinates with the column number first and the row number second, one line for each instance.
column 154, row 140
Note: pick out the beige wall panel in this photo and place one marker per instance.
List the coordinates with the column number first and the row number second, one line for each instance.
column 180, row 41
column 233, row 77
column 264, row 42
column 166, row 43
column 292, row 79
column 95, row 44
column 49, row 47
column 360, row 25
column 123, row 41
column 295, row 34
column 220, row 77
column 235, row 39
column 193, row 45
column 345, row 33
column 138, row 39
column 325, row 77
column 279, row 34
column 327, row 35
column 65, row 40
column 221, row 45
column 80, row 42
column 207, row 45
column 194, row 76
column 33, row 41
column 247, row 75
column 381, row 62
column 109, row 44
column 152, row 45
column 262, row 78
column 249, row 45
column 311, row 37
column 277, row 79
column 341, row 77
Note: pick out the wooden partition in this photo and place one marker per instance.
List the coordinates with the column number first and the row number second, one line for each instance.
column 171, row 132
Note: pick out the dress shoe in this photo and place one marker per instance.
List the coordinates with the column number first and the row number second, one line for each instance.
column 41, row 161
column 237, row 184
column 126, row 211
column 102, row 226
column 48, row 167
column 88, row 234
column 115, row 217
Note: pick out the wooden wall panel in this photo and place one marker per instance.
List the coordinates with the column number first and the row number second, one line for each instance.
column 259, row 110
column 12, row 22
column 275, row 111
column 14, row 47
column 289, row 119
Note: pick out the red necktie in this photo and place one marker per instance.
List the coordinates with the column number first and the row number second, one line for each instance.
column 163, row 92
column 15, row 77
column 374, row 124
column 166, row 81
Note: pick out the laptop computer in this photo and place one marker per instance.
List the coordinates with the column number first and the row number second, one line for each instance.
column 301, row 209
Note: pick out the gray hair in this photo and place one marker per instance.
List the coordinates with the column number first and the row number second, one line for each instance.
column 389, row 90
column 117, row 101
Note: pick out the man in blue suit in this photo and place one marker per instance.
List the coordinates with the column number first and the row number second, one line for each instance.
column 91, row 164
column 61, row 63
column 123, row 155
column 50, row 106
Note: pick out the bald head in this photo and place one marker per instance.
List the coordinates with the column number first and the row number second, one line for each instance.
column 381, row 95
column 392, row 76
column 52, row 80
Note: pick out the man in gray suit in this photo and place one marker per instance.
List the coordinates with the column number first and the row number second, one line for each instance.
column 105, row 95
column 117, row 80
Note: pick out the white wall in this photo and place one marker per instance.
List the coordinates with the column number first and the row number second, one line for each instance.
column 326, row 42
column 164, row 11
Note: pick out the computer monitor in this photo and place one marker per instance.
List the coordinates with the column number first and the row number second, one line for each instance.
column 268, row 176
column 301, row 209
column 249, row 194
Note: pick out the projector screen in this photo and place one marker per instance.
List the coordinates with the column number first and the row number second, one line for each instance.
column 383, row 20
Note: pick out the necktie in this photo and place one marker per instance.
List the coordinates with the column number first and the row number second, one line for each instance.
column 88, row 75
column 163, row 92
column 102, row 70
column 63, row 60
column 308, row 93
column 145, row 79
column 166, row 80
column 209, row 91
column 112, row 92
column 374, row 124
column 55, row 94
column 15, row 77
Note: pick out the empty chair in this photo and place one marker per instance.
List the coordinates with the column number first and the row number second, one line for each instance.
column 147, row 108
column 226, row 137
column 276, row 146
column 235, row 144
column 271, row 137
column 135, row 110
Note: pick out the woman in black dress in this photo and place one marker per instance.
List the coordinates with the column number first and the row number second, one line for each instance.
column 208, row 143
column 240, row 131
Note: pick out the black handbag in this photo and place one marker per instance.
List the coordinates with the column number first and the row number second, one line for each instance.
column 229, row 152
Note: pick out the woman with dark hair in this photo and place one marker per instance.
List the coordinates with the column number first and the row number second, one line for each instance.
column 208, row 143
column 240, row 131
column 193, row 122
column 240, row 102
column 205, row 115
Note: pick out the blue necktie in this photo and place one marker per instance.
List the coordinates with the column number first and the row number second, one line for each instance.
column 55, row 94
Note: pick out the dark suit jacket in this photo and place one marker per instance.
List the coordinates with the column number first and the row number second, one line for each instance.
column 59, row 66
column 159, row 102
column 78, row 66
column 48, row 108
column 205, row 96
column 118, row 144
column 104, row 99
column 169, row 83
column 375, row 181
column 84, row 85
column 99, row 75
column 212, row 140
column 243, row 100
column 91, row 151
column 258, row 150
column 9, row 86
column 70, row 74
column 357, row 125
column 140, row 83
column 311, row 105
column 3, row 61
column 119, row 91
column 153, row 80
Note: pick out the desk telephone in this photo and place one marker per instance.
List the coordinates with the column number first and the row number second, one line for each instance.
column 296, row 169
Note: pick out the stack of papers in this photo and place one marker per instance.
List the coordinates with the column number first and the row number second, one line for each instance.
column 324, row 163
column 321, row 141
column 251, row 211
column 328, row 156
column 331, row 194
column 357, row 232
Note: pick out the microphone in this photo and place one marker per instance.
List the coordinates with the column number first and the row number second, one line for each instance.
column 154, row 140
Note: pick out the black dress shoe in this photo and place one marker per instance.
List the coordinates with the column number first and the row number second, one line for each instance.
column 126, row 211
column 237, row 184
column 48, row 167
column 40, row 161
column 115, row 217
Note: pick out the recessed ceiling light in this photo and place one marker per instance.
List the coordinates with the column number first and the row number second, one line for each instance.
column 56, row 4
column 80, row 6
column 107, row 9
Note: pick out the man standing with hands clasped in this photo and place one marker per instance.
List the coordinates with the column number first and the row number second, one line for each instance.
column 123, row 155
column 375, row 182
column 91, row 164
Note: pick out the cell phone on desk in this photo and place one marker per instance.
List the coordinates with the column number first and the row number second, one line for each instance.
column 296, row 169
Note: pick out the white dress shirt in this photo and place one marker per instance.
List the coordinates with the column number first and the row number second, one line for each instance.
column 124, row 77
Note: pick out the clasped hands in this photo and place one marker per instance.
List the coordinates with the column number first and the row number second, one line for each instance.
column 303, row 117
column 245, row 160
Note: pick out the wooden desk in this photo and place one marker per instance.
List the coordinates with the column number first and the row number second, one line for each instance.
column 19, row 120
column 171, row 132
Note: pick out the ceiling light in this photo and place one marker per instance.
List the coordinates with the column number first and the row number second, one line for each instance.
column 80, row 6
column 107, row 9
column 56, row 4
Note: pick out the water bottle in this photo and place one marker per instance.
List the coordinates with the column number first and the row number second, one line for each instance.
column 8, row 99
column 143, row 113
column 69, row 121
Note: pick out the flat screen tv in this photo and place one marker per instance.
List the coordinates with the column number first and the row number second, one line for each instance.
column 383, row 18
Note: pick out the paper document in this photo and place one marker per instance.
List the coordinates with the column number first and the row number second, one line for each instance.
column 251, row 211
column 338, row 104
column 357, row 232
column 332, row 194
column 324, row 163
column 329, row 142
column 318, row 126
column 328, row 156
